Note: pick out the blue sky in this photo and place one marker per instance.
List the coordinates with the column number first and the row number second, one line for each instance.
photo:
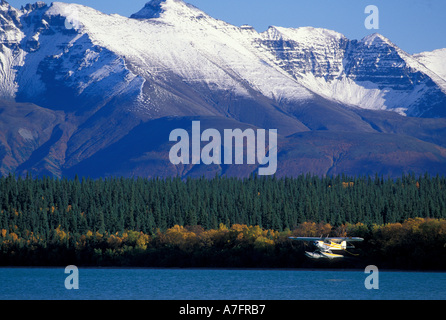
column 414, row 25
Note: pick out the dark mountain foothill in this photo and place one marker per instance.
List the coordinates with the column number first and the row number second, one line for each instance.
column 86, row 93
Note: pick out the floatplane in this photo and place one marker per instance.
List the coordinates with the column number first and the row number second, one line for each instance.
column 325, row 247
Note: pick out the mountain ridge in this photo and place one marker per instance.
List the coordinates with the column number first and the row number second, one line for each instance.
column 106, row 75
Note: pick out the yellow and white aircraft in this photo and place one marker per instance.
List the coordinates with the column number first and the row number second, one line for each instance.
column 325, row 247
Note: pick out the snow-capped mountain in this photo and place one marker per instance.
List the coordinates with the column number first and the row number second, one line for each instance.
column 434, row 61
column 372, row 73
column 106, row 75
column 84, row 51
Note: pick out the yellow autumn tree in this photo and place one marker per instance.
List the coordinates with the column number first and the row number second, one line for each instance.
column 60, row 235
column 114, row 241
column 356, row 230
column 210, row 237
column 239, row 231
column 306, row 229
column 262, row 242
column 142, row 241
column 181, row 237
column 13, row 236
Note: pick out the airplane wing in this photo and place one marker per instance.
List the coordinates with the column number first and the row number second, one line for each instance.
column 306, row 238
column 348, row 239
column 334, row 239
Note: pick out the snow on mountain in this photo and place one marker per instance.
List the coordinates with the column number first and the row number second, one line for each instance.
column 83, row 88
column 81, row 52
column 404, row 83
column 168, row 9
column 196, row 47
column 372, row 73
column 435, row 61
column 10, row 53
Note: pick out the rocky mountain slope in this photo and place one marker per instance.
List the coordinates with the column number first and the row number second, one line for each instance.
column 95, row 94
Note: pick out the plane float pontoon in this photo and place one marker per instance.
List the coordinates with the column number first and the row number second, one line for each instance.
column 325, row 247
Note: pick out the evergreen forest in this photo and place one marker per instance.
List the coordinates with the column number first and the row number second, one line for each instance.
column 221, row 222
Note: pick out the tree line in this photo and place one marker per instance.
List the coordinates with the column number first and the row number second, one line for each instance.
column 414, row 244
column 117, row 204
column 153, row 222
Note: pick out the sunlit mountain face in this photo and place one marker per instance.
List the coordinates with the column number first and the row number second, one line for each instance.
column 88, row 93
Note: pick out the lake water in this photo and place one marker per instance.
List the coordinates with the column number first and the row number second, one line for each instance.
column 204, row 284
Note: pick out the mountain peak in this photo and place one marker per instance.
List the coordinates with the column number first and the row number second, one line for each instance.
column 159, row 8
column 7, row 14
column 152, row 9
column 376, row 39
column 6, row 7
column 4, row 4
column 304, row 35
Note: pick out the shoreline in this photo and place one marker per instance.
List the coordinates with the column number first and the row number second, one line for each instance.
column 224, row 269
